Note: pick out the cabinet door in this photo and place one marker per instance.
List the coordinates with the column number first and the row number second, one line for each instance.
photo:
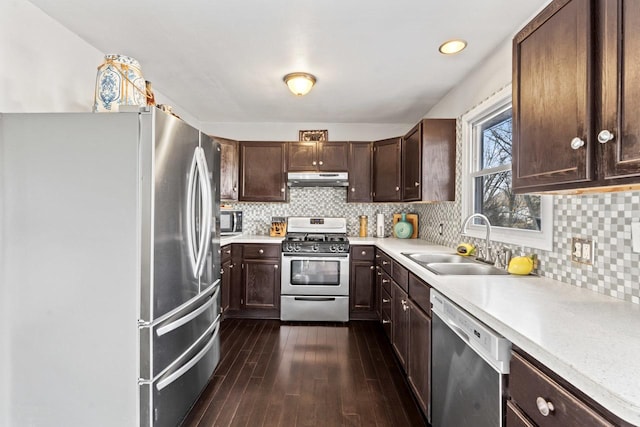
column 332, row 156
column 359, row 172
column 411, row 162
column 419, row 369
column 303, row 156
column 262, row 172
column 551, row 98
column 438, row 160
column 228, row 168
column 400, row 323
column 261, row 284
column 362, row 289
column 386, row 170
column 620, row 88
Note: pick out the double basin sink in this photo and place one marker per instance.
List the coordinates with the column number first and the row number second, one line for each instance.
column 452, row 264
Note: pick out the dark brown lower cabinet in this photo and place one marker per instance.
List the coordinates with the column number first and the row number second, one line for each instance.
column 225, row 286
column 261, row 284
column 362, row 283
column 419, row 368
column 400, row 324
column 515, row 418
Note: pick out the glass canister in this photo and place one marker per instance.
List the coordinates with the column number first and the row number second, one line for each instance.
column 363, row 225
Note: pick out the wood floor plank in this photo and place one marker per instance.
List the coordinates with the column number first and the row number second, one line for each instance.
column 309, row 374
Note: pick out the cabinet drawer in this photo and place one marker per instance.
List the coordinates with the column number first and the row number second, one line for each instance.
column 400, row 275
column 385, row 280
column 253, row 250
column 527, row 383
column 385, row 302
column 420, row 292
column 384, row 261
column 225, row 253
column 362, row 253
column 515, row 418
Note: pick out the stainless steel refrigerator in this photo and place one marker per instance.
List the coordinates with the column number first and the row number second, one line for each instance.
column 110, row 268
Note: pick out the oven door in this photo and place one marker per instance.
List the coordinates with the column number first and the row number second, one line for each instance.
column 315, row 274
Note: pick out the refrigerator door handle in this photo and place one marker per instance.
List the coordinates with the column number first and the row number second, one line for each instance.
column 165, row 382
column 162, row 330
column 191, row 250
column 205, row 229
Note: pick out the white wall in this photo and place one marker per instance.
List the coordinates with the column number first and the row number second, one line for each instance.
column 289, row 131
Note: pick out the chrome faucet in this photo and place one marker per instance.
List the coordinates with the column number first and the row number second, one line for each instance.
column 486, row 256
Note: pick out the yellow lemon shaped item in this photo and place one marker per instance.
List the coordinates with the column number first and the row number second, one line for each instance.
column 465, row 249
column 522, row 265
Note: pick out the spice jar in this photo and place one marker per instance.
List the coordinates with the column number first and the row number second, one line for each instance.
column 363, row 225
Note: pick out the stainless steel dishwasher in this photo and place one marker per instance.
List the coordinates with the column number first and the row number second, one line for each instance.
column 469, row 364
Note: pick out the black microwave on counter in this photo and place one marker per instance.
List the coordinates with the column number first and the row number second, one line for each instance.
column 230, row 222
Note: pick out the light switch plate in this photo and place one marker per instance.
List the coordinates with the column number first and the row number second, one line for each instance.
column 635, row 237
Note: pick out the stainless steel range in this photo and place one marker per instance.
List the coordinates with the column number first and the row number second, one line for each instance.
column 315, row 270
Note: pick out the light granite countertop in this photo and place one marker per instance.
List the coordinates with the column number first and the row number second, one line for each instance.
column 589, row 339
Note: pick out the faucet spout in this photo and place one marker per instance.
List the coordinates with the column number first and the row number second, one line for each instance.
column 487, row 248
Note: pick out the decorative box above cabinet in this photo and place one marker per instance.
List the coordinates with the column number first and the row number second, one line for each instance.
column 575, row 106
column 317, row 156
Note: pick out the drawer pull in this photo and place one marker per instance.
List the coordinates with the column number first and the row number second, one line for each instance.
column 385, row 263
column 384, row 300
column 544, row 407
column 386, row 280
column 261, row 251
column 363, row 253
column 386, row 322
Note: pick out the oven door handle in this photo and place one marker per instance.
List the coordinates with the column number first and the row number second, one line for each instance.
column 314, row 298
column 306, row 256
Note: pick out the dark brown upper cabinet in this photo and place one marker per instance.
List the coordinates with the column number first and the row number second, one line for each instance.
column 317, row 156
column 438, row 160
column 228, row 168
column 386, row 170
column 575, row 105
column 360, row 168
column 262, row 171
column 411, row 149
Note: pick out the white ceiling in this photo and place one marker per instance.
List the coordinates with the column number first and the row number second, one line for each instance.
column 223, row 61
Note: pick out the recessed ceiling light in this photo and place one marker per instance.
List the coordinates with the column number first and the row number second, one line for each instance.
column 452, row 47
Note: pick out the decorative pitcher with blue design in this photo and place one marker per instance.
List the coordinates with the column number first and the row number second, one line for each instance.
column 119, row 82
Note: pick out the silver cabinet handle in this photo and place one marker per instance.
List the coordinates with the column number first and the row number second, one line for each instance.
column 384, row 300
column 363, row 252
column 353, row 189
column 544, row 406
column 235, row 188
column 321, row 163
column 385, row 262
column 313, row 163
column 417, row 184
column 577, row 143
column 377, row 256
column 372, row 268
column 230, row 265
column 261, row 251
column 282, row 190
column 386, row 322
column 275, row 266
column 605, row 136
column 228, row 251
column 386, row 281
column 397, row 188
column 222, row 271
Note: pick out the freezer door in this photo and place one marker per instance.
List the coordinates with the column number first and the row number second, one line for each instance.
column 167, row 400
column 172, row 335
column 171, row 280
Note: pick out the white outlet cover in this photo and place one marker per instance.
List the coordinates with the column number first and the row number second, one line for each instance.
column 635, row 237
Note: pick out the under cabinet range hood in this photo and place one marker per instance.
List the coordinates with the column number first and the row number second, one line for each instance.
column 318, row 179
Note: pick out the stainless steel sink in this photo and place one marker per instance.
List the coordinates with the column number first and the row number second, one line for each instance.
column 465, row 269
column 453, row 264
column 423, row 258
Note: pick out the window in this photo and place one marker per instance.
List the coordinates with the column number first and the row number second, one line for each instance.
column 520, row 219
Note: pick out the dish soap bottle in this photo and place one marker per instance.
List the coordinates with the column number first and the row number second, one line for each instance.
column 403, row 228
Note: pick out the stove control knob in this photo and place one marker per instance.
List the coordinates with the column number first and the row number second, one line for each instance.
column 332, row 248
column 315, row 248
column 297, row 247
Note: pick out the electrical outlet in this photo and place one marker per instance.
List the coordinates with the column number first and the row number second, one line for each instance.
column 582, row 250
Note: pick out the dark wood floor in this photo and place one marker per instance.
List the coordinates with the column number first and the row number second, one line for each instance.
column 288, row 374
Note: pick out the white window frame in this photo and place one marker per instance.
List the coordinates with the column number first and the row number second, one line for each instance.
column 538, row 239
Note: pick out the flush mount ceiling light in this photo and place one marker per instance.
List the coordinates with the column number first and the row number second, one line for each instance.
column 299, row 83
column 452, row 47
